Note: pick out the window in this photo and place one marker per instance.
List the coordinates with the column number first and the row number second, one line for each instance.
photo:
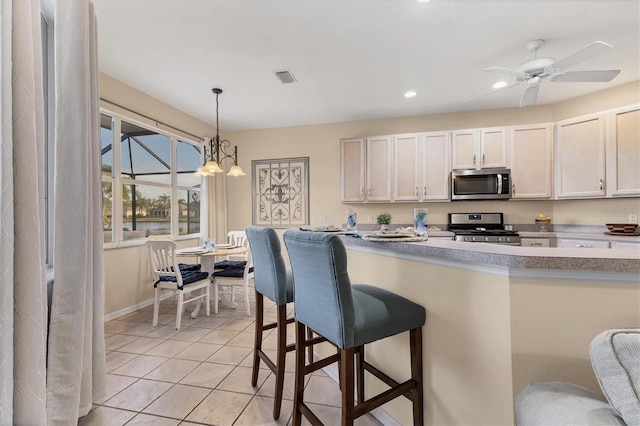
column 148, row 181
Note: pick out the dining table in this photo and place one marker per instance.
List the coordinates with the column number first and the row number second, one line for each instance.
column 207, row 258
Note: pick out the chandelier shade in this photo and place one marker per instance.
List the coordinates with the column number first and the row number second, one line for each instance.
column 218, row 151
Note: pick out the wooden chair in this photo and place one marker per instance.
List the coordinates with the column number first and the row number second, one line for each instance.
column 349, row 316
column 232, row 281
column 173, row 276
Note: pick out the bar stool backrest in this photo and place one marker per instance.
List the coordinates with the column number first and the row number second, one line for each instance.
column 270, row 272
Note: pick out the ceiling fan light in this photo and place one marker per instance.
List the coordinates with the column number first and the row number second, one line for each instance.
column 499, row 84
column 410, row 94
column 236, row 171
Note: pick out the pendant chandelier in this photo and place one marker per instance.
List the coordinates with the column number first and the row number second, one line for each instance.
column 218, row 152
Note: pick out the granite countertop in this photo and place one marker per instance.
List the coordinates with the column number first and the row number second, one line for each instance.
column 577, row 259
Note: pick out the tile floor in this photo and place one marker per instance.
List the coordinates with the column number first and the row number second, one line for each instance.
column 200, row 374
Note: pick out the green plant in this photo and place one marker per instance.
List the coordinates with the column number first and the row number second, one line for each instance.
column 383, row 219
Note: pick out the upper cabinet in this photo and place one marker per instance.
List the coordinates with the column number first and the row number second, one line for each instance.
column 406, row 168
column 435, row 170
column 580, row 157
column 530, row 160
column 352, row 170
column 479, row 148
column 623, row 152
column 379, row 156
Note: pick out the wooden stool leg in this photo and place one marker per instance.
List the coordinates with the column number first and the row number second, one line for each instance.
column 415, row 342
column 299, row 375
column 257, row 345
column 346, row 381
column 280, row 355
column 360, row 373
column 310, row 348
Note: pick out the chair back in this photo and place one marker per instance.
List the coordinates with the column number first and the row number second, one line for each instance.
column 163, row 259
column 239, row 239
column 322, row 289
column 271, row 277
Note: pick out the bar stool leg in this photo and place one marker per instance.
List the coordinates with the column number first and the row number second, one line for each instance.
column 415, row 342
column 299, row 375
column 346, row 382
column 257, row 345
column 281, row 355
column 360, row 373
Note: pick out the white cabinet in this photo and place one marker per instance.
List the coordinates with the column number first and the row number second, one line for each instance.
column 530, row 161
column 625, row 245
column 582, row 243
column 379, row 156
column 352, row 167
column 623, row 152
column 435, row 170
column 406, row 166
column 479, row 148
column 580, row 157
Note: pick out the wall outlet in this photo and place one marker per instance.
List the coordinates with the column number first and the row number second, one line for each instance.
column 633, row 218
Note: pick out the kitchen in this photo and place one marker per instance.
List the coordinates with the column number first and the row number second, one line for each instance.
column 494, row 299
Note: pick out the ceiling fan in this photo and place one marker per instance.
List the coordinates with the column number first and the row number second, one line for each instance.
column 532, row 73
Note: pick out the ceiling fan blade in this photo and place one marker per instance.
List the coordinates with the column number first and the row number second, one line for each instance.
column 529, row 95
column 587, row 52
column 585, row 76
column 506, row 71
column 490, row 92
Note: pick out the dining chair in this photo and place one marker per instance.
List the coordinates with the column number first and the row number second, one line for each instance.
column 177, row 277
column 238, row 239
column 349, row 316
column 232, row 281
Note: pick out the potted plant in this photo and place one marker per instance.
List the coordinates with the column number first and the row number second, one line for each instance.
column 384, row 219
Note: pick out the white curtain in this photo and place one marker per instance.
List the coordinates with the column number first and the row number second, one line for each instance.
column 23, row 309
column 76, row 357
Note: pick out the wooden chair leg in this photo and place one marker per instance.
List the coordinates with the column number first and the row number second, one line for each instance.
column 310, row 348
column 281, row 354
column 299, row 375
column 339, row 368
column 179, row 309
column 360, row 373
column 156, row 306
column 415, row 342
column 257, row 344
column 346, row 381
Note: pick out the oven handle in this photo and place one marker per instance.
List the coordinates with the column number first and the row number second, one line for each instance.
column 499, row 183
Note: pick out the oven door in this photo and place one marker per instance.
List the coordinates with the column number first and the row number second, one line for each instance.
column 487, row 184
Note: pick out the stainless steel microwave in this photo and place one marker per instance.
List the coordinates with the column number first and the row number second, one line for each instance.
column 484, row 184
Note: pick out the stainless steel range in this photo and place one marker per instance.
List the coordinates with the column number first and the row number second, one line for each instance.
column 481, row 228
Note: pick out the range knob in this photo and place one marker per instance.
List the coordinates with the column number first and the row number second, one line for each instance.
column 486, row 238
column 501, row 239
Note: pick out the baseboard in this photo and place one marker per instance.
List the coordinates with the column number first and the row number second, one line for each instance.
column 131, row 309
column 380, row 414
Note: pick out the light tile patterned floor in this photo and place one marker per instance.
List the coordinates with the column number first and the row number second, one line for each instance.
column 200, row 374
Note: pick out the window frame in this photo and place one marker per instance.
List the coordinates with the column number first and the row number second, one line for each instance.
column 117, row 180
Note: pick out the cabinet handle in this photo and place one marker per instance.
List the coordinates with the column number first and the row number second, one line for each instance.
column 483, row 159
column 601, row 184
column 536, row 244
column 584, row 245
column 513, row 189
column 362, row 193
column 425, row 191
column 417, row 192
column 474, row 160
column 369, row 192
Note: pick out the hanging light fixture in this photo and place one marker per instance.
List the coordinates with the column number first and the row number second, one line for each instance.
column 218, row 152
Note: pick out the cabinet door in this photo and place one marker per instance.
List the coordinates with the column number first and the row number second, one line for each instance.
column 580, row 161
column 352, row 170
column 625, row 245
column 493, row 148
column 530, row 151
column 571, row 243
column 535, row 242
column 379, row 162
column 434, row 154
column 623, row 152
column 464, row 149
column 406, row 162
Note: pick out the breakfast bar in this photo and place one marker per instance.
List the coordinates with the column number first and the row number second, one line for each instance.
column 498, row 317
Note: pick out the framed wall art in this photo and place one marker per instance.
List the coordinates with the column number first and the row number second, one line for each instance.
column 280, row 190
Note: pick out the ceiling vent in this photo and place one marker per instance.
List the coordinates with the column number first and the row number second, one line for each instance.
column 285, row 76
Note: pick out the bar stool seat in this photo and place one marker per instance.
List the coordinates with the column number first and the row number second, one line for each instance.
column 349, row 316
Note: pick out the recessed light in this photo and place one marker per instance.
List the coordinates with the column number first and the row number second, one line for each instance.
column 500, row 84
column 424, row 1
column 410, row 94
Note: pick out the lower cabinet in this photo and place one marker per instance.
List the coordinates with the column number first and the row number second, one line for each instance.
column 536, row 242
column 625, row 245
column 570, row 242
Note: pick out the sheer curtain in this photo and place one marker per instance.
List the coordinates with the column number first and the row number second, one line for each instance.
column 76, row 354
column 23, row 310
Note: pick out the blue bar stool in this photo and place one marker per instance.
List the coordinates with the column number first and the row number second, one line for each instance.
column 349, row 316
column 274, row 281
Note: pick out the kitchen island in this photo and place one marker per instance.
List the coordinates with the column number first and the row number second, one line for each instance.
column 498, row 317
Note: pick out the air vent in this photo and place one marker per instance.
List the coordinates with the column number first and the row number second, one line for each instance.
column 285, row 76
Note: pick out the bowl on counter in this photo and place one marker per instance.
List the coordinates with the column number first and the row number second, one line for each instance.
column 622, row 228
